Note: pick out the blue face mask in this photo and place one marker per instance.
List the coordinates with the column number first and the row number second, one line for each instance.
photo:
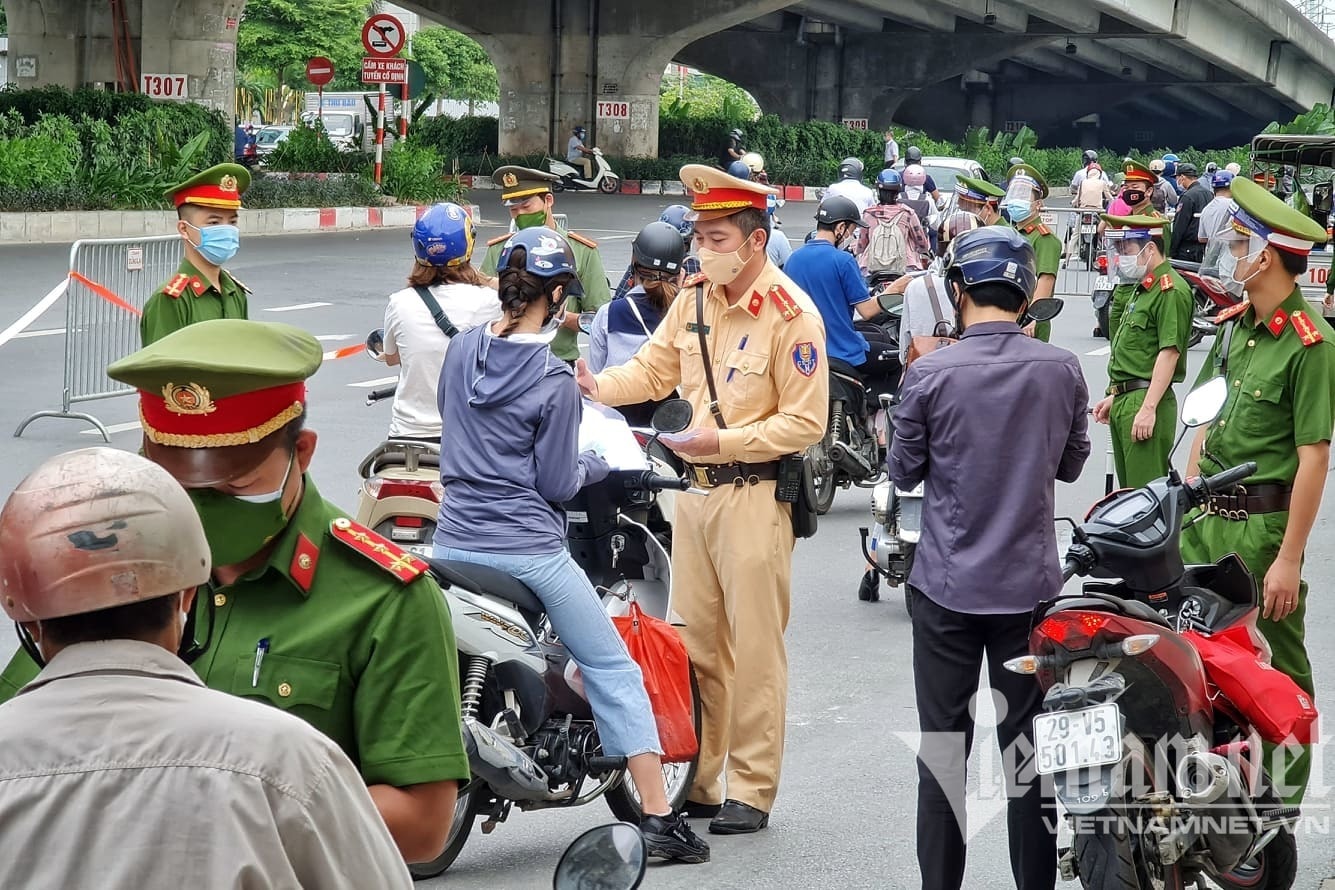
column 218, row 244
column 1018, row 211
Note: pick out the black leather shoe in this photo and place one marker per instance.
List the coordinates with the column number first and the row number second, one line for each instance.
column 693, row 810
column 736, row 817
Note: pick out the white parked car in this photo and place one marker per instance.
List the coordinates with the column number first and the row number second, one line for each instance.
column 267, row 139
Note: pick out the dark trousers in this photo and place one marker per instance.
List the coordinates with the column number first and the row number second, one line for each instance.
column 948, row 652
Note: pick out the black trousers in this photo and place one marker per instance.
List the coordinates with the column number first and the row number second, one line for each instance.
column 948, row 652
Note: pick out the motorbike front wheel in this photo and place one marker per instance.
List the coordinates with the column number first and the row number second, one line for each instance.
column 609, row 185
column 624, row 800
column 465, row 814
column 1274, row 868
column 823, row 474
column 1109, row 861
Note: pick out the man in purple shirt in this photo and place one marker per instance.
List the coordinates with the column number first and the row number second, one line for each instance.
column 987, row 423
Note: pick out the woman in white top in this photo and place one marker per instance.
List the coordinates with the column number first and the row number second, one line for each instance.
column 445, row 296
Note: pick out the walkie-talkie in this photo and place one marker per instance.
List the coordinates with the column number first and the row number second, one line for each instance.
column 789, row 484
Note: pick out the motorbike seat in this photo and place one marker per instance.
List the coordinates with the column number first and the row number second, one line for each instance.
column 489, row 582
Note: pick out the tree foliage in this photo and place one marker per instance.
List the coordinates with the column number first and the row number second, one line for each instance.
column 280, row 36
column 1320, row 121
column 696, row 94
column 456, row 67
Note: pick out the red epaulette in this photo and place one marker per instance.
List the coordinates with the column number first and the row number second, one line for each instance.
column 1232, row 312
column 176, row 286
column 1278, row 321
column 785, row 303
column 1148, row 281
column 587, row 242
column 697, row 278
column 1307, row 332
column 304, row 559
column 389, row 556
column 1044, row 230
column 1166, row 282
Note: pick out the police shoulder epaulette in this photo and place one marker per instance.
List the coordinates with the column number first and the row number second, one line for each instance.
column 587, row 242
column 1166, row 282
column 389, row 556
column 697, row 278
column 1044, row 230
column 239, row 283
column 1307, row 332
column 498, row 239
column 1232, row 312
column 786, row 304
column 176, row 286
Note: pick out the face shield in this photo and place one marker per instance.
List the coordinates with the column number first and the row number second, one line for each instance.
column 1019, row 200
column 1128, row 261
column 1231, row 254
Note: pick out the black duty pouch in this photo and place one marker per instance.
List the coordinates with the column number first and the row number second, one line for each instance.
column 796, row 486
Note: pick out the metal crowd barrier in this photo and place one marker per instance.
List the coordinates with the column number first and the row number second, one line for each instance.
column 110, row 280
column 1078, row 273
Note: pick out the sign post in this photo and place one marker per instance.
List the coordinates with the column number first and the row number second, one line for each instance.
column 383, row 38
column 320, row 71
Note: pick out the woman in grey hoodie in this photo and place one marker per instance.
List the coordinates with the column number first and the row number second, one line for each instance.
column 510, row 414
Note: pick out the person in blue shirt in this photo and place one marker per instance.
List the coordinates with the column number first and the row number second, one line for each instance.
column 832, row 279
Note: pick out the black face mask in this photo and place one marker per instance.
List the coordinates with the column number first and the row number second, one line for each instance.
column 1133, row 198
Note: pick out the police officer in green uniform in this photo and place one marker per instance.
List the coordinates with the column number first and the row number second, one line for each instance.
column 528, row 196
column 1025, row 190
column 1278, row 359
column 206, row 211
column 1138, row 184
column 305, row 610
column 1148, row 352
column 981, row 198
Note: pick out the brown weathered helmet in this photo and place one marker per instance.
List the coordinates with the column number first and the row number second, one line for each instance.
column 93, row 529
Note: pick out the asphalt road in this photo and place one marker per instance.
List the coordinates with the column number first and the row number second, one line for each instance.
column 844, row 817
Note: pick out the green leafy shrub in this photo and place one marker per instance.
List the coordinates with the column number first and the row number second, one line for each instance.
column 267, row 192
column 308, row 150
column 46, row 153
column 459, row 137
column 416, row 175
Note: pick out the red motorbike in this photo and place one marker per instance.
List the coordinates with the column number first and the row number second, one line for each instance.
column 1209, row 299
column 1153, row 754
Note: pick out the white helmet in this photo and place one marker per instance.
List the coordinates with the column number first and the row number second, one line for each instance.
column 915, row 175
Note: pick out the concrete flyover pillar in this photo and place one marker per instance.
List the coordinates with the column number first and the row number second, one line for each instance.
column 557, row 59
column 71, row 43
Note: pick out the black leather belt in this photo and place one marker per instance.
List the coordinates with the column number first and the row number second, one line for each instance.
column 738, row 474
column 1125, row 386
column 1248, row 499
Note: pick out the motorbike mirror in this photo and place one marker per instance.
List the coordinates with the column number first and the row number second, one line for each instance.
column 375, row 343
column 1046, row 310
column 586, row 322
column 889, row 302
column 672, row 416
column 1204, row 403
column 609, row 857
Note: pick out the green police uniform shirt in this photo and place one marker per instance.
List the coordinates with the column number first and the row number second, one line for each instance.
column 355, row 650
column 1157, row 316
column 1047, row 261
column 592, row 277
column 188, row 298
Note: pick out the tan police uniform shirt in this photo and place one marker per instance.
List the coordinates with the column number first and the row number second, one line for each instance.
column 769, row 362
column 118, row 768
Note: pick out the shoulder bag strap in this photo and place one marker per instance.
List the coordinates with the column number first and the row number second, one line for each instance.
column 939, row 315
column 442, row 320
column 704, row 356
column 638, row 317
column 1221, row 359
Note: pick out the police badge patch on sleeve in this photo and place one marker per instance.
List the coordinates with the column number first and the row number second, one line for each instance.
column 805, row 358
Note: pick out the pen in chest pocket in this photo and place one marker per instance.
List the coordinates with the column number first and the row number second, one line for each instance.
column 740, row 346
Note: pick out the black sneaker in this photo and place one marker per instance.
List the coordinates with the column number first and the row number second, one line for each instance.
column 669, row 837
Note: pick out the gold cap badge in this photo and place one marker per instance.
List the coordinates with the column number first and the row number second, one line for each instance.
column 188, row 398
column 699, row 186
column 509, row 180
column 227, row 183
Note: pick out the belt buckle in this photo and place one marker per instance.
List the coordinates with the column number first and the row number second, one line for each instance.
column 701, row 477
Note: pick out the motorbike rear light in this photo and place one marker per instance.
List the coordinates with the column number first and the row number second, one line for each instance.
column 1073, row 630
column 408, row 521
column 1103, row 265
column 1138, row 644
column 382, row 489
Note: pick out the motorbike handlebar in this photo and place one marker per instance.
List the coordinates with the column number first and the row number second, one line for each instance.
column 653, row 482
column 384, row 392
column 1226, row 479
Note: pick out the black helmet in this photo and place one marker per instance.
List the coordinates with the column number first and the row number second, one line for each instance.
column 1091, row 156
column 836, row 209
column 913, row 155
column 850, row 168
column 579, row 131
column 993, row 255
column 659, row 246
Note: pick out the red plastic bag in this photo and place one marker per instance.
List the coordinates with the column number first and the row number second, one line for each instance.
column 1278, row 707
column 661, row 655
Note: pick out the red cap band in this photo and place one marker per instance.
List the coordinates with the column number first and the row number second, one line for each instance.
column 729, row 199
column 185, row 416
column 209, row 196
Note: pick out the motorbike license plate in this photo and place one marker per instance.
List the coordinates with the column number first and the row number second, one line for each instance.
column 1088, row 230
column 1072, row 740
column 1103, row 283
column 419, row 549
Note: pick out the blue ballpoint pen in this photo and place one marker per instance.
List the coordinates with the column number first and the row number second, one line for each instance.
column 740, row 347
column 260, row 649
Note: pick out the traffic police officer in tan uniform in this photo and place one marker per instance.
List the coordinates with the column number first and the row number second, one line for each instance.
column 1278, row 358
column 527, row 194
column 206, row 210
column 305, row 609
column 732, row 546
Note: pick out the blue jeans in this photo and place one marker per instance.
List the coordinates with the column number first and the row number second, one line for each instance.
column 612, row 679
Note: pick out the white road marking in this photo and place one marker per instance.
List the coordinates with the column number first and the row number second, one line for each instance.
column 1102, row 350
column 32, row 314
column 49, row 332
column 296, row 307
column 379, row 381
column 115, row 428
column 333, row 338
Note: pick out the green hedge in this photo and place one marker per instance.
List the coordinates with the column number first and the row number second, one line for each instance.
column 454, row 138
column 268, row 192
